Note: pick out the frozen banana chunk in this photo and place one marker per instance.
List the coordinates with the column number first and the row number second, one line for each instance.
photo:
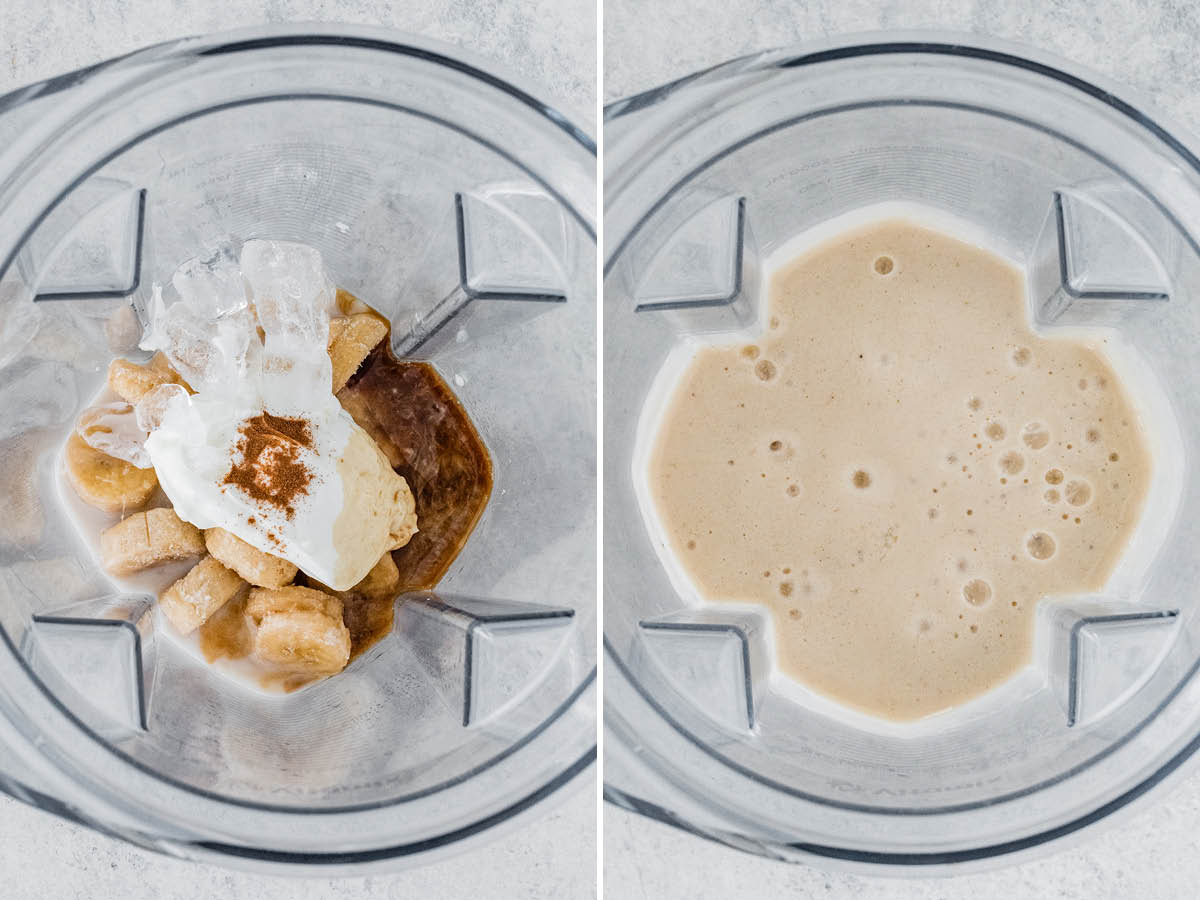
column 382, row 581
column 148, row 539
column 190, row 601
column 379, row 584
column 265, row 602
column 299, row 630
column 351, row 340
column 258, row 568
column 132, row 381
column 104, row 481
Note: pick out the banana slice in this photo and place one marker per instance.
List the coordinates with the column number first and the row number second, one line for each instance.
column 382, row 581
column 147, row 539
column 190, row 601
column 379, row 584
column 104, row 481
column 132, row 381
column 299, row 630
column 351, row 340
column 258, row 568
column 264, row 602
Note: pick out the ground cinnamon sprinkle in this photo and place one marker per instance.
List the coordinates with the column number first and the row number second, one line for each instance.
column 298, row 430
column 269, row 468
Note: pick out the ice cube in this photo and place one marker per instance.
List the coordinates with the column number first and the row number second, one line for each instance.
column 261, row 322
column 205, row 326
column 113, row 428
column 212, row 351
column 293, row 294
column 212, row 287
column 153, row 405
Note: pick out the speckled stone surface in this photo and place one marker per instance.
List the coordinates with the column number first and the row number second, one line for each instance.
column 1149, row 45
column 1152, row 856
column 551, row 43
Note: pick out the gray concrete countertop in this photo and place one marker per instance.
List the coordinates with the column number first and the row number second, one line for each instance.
column 1146, row 44
column 551, row 43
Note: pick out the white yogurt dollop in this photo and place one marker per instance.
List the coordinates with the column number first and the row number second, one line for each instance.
column 210, row 334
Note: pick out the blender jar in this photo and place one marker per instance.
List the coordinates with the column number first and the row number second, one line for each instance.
column 460, row 207
column 1099, row 200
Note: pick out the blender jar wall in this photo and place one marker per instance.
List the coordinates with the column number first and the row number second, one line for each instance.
column 402, row 165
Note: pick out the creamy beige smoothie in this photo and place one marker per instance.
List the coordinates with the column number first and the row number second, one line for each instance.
column 899, row 468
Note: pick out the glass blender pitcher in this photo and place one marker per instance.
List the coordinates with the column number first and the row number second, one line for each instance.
column 1099, row 200
column 461, row 208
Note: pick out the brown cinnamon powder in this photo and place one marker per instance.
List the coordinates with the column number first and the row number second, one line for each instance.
column 269, row 468
column 298, row 430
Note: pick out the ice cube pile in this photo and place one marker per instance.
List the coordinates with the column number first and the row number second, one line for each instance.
column 248, row 324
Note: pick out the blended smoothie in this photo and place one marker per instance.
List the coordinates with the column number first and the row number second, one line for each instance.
column 899, row 468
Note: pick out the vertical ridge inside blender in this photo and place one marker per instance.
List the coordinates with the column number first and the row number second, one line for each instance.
column 482, row 654
column 103, row 650
column 510, row 240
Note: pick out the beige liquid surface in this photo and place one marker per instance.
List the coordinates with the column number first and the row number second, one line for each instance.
column 900, row 469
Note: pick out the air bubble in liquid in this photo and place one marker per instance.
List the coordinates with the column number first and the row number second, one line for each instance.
column 1012, row 462
column 1077, row 492
column 765, row 369
column 1040, row 545
column 1035, row 435
column 977, row 592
